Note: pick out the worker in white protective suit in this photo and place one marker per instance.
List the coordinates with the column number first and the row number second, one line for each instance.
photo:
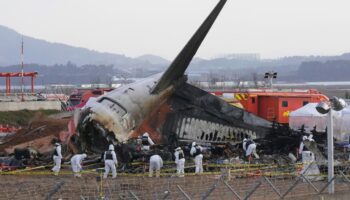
column 196, row 152
column 147, row 142
column 57, row 158
column 310, row 168
column 304, row 149
column 111, row 162
column 155, row 163
column 76, row 162
column 249, row 148
column 180, row 162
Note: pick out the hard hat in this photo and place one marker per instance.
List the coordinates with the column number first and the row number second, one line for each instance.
column 146, row 134
column 111, row 147
column 178, row 149
column 84, row 155
column 304, row 137
column 193, row 144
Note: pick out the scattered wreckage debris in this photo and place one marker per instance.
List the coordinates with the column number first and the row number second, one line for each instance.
column 31, row 145
column 37, row 135
column 172, row 111
column 274, row 146
column 273, row 149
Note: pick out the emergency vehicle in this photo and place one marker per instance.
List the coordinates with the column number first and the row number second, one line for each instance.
column 271, row 104
column 80, row 96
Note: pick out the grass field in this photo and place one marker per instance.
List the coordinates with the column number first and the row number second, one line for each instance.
column 22, row 117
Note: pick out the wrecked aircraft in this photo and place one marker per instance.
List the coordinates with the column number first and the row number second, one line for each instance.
column 168, row 108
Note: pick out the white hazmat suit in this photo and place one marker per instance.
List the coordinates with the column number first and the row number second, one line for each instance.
column 111, row 162
column 57, row 157
column 196, row 151
column 76, row 164
column 249, row 148
column 155, row 163
column 310, row 168
column 146, row 142
column 180, row 162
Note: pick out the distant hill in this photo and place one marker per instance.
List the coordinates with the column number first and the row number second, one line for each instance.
column 48, row 53
column 288, row 68
column 47, row 56
column 152, row 59
column 332, row 70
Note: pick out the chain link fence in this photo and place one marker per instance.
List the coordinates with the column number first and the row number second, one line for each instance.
column 240, row 181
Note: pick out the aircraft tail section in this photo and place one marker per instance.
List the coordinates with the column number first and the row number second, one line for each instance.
column 178, row 67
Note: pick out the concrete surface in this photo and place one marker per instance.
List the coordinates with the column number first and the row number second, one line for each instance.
column 30, row 105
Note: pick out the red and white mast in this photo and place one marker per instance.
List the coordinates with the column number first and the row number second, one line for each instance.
column 22, row 81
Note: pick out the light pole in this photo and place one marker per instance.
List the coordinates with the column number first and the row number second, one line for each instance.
column 328, row 107
column 270, row 76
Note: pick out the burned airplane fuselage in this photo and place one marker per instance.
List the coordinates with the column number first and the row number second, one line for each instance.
column 197, row 115
column 116, row 114
column 167, row 107
column 182, row 113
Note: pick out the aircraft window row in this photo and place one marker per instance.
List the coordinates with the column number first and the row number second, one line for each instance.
column 113, row 105
column 215, row 137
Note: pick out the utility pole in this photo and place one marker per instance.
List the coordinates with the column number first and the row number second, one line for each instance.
column 330, row 151
column 334, row 104
column 22, row 81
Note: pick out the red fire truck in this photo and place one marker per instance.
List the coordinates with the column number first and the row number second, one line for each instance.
column 270, row 104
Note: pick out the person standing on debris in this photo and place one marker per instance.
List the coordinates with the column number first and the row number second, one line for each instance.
column 302, row 146
column 249, row 148
column 57, row 157
column 146, row 142
column 180, row 162
column 196, row 152
column 111, row 162
column 155, row 163
column 76, row 161
column 308, row 158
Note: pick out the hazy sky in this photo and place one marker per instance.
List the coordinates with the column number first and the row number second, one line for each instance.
column 273, row 28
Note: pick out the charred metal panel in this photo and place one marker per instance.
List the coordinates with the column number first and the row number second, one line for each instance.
column 190, row 128
column 200, row 116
